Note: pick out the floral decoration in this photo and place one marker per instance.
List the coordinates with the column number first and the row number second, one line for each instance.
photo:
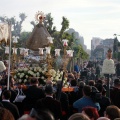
column 23, row 75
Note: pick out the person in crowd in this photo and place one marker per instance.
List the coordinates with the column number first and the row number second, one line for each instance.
column 33, row 93
column 81, row 84
column 118, row 69
column 41, row 114
column 5, row 114
column 115, row 93
column 91, row 112
column 78, row 116
column 112, row 112
column 8, row 105
column 54, row 106
column 76, row 68
column 103, row 118
column 91, row 83
column 26, row 117
column 11, row 87
column 86, row 100
column 64, row 101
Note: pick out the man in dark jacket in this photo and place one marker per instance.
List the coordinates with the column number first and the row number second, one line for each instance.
column 33, row 93
column 49, row 103
column 8, row 105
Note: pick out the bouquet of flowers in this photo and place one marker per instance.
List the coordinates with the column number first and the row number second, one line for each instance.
column 23, row 75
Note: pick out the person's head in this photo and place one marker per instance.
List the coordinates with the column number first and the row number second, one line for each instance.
column 117, row 82
column 91, row 83
column 5, row 114
column 41, row 114
column 34, row 81
column 112, row 112
column 6, row 94
column 78, row 116
column 81, row 84
column 87, row 90
column 26, row 117
column 11, row 80
column 73, row 83
column 49, row 90
column 103, row 118
column 91, row 112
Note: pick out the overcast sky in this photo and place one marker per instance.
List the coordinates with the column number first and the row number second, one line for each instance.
column 91, row 18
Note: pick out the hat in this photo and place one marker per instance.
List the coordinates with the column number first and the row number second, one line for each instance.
column 49, row 89
column 117, row 81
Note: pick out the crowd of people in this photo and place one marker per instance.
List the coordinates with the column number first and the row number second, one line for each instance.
column 87, row 101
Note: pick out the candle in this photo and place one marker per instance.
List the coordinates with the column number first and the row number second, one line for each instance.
column 41, row 51
column 6, row 50
column 65, row 42
column 48, row 50
column 57, row 52
column 14, row 50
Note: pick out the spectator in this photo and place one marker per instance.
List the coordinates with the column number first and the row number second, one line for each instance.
column 103, row 101
column 115, row 93
column 78, row 116
column 49, row 103
column 8, row 105
column 112, row 112
column 33, row 93
column 91, row 112
column 42, row 114
column 5, row 114
column 103, row 118
column 26, row 117
column 86, row 100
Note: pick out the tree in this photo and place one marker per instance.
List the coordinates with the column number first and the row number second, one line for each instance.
column 16, row 25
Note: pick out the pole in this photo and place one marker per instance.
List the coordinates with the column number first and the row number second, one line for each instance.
column 108, row 85
column 60, row 88
column 8, row 82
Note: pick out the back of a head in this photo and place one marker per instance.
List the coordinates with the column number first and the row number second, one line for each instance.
column 87, row 90
column 41, row 114
column 34, row 81
column 91, row 82
column 49, row 89
column 25, row 117
column 117, row 81
column 112, row 112
column 103, row 118
column 78, row 116
column 6, row 94
column 5, row 114
column 81, row 84
column 91, row 112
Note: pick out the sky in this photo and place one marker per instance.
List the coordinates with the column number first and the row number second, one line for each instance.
column 90, row 18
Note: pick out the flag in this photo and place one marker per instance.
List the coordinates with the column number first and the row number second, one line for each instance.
column 4, row 32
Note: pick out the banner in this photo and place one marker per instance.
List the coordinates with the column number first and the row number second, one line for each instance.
column 4, row 32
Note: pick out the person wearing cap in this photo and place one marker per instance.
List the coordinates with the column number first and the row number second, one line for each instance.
column 115, row 93
column 49, row 103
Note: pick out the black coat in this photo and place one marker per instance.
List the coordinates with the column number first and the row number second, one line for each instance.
column 33, row 93
column 12, row 108
column 54, row 106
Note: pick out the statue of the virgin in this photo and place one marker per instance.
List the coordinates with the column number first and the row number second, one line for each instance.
column 38, row 38
column 108, row 64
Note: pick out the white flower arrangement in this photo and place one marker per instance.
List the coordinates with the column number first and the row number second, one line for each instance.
column 23, row 75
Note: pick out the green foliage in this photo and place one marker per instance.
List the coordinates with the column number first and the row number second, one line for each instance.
column 16, row 25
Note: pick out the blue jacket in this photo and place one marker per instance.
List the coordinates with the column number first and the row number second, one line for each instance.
column 84, row 102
